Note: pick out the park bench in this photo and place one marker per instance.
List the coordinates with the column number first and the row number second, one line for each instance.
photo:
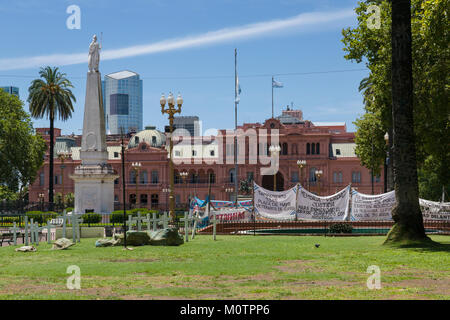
column 6, row 237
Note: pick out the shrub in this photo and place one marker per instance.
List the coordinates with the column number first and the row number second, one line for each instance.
column 341, row 228
column 91, row 217
column 41, row 217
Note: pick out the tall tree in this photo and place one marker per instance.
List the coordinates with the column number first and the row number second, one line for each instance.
column 430, row 53
column 406, row 213
column 21, row 150
column 51, row 96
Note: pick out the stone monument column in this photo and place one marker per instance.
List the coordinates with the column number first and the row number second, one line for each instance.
column 94, row 178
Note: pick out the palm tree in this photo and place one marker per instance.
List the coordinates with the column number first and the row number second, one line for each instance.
column 50, row 96
column 406, row 213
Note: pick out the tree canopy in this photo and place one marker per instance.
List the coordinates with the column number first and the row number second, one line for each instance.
column 430, row 51
column 21, row 150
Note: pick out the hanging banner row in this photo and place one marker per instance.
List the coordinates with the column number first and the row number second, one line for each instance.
column 299, row 203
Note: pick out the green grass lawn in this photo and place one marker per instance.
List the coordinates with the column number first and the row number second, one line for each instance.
column 233, row 267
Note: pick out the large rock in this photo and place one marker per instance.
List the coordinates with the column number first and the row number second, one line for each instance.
column 62, row 244
column 165, row 237
column 26, row 249
column 105, row 242
column 137, row 238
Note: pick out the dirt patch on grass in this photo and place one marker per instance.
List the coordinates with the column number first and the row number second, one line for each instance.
column 432, row 286
column 296, row 266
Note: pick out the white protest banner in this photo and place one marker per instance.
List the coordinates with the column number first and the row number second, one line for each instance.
column 275, row 205
column 372, row 207
column 312, row 207
column 435, row 210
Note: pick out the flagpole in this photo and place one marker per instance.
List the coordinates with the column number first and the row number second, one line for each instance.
column 235, row 129
column 272, row 96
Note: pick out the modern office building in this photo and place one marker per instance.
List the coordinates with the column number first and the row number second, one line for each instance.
column 11, row 90
column 189, row 123
column 122, row 100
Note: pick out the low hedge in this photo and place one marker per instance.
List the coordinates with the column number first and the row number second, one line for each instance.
column 41, row 217
column 91, row 217
column 341, row 228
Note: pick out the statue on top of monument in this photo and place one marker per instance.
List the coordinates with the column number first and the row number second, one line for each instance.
column 94, row 54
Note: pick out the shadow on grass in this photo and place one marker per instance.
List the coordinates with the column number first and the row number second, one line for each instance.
column 430, row 246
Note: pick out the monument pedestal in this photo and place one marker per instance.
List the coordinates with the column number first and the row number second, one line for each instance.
column 94, row 189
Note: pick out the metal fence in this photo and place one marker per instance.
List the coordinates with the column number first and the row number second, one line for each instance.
column 316, row 227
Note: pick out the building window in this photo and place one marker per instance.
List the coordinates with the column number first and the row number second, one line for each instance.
column 136, row 140
column 155, row 200
column 308, row 148
column 294, row 177
column 313, row 148
column 116, row 181
column 177, row 153
column 318, row 148
column 116, row 198
column 41, row 179
column 56, row 179
column 133, row 198
column 116, row 154
column 154, row 177
column 338, row 152
column 231, row 175
column 356, row 177
column 337, row 177
column 143, row 199
column 153, row 140
column 250, row 176
column 133, row 177
column 194, row 178
column 284, row 149
column 194, row 153
column 143, row 177
column 211, row 153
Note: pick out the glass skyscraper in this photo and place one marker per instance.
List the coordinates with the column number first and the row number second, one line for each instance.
column 11, row 90
column 122, row 100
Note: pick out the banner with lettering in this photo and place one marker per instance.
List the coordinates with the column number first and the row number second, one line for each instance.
column 435, row 210
column 372, row 207
column 277, row 205
column 312, row 207
column 230, row 214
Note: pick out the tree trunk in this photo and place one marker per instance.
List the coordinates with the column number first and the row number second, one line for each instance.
column 50, row 184
column 406, row 213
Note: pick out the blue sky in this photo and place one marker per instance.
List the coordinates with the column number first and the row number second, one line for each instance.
column 204, row 73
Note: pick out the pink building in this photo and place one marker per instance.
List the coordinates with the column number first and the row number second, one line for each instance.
column 324, row 146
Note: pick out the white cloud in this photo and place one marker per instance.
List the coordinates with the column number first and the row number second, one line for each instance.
column 212, row 37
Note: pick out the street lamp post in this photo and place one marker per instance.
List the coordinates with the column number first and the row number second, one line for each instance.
column 166, row 191
column 63, row 155
column 386, row 161
column 41, row 199
column 274, row 151
column 301, row 164
column 136, row 167
column 319, row 174
column 183, row 175
column 171, row 111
